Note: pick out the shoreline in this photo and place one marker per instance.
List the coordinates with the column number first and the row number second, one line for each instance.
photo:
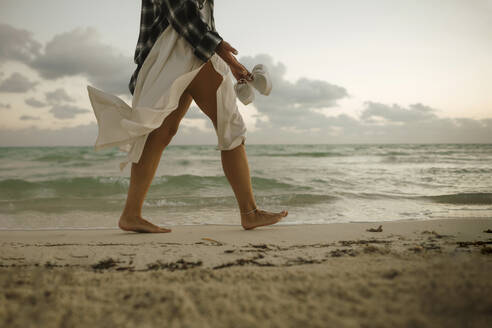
column 415, row 273
column 282, row 224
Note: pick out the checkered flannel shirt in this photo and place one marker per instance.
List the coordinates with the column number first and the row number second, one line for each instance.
column 184, row 16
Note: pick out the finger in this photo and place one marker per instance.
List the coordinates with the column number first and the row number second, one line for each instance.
column 248, row 75
column 242, row 74
column 239, row 77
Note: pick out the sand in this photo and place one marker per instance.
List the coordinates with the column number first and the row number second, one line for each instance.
column 411, row 274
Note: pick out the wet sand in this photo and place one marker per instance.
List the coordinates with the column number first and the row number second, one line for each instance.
column 410, row 274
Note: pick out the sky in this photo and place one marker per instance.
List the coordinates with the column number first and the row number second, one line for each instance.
column 352, row 71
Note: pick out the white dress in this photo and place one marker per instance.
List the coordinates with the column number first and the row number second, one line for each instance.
column 166, row 72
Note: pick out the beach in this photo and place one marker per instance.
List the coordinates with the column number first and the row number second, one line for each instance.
column 375, row 140
column 424, row 273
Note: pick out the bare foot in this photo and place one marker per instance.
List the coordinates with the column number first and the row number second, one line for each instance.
column 139, row 224
column 261, row 218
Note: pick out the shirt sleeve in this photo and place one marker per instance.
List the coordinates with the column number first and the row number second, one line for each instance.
column 185, row 18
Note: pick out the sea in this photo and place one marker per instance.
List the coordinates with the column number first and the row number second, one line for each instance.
column 44, row 188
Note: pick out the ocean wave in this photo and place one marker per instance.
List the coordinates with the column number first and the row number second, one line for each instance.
column 303, row 199
column 394, row 153
column 84, row 187
column 60, row 157
column 462, row 198
column 293, row 199
column 427, row 158
column 304, row 154
column 458, row 198
column 62, row 187
column 70, row 155
column 190, row 181
column 453, row 170
column 369, row 195
column 155, row 201
column 62, row 205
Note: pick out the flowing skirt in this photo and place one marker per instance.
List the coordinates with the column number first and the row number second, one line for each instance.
column 165, row 74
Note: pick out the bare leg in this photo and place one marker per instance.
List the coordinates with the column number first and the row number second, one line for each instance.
column 143, row 172
column 203, row 89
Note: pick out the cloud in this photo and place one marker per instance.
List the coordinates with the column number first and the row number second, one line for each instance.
column 292, row 113
column 337, row 129
column 5, row 105
column 292, row 104
column 81, row 52
column 58, row 96
column 396, row 113
column 29, row 118
column 77, row 136
column 294, row 116
column 86, row 135
column 66, row 111
column 17, row 44
column 17, row 83
column 416, row 124
column 33, row 102
column 195, row 112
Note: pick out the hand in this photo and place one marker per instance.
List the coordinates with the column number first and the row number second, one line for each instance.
column 226, row 51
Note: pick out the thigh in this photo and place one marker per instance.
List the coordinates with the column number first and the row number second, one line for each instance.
column 203, row 89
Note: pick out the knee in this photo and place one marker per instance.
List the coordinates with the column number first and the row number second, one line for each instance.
column 171, row 131
column 165, row 134
column 241, row 145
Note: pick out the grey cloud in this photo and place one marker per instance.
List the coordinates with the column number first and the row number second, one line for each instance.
column 338, row 129
column 29, row 118
column 416, row 124
column 81, row 135
column 66, row 111
column 396, row 113
column 85, row 135
column 58, row 96
column 291, row 104
column 195, row 112
column 33, row 102
column 17, row 44
column 5, row 105
column 81, row 52
column 17, row 83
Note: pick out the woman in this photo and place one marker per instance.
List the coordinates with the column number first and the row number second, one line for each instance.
column 180, row 58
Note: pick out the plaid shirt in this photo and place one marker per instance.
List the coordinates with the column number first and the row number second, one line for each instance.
column 184, row 16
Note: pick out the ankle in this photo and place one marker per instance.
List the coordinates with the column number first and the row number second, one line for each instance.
column 130, row 214
column 253, row 210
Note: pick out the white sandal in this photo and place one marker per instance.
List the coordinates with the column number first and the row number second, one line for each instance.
column 261, row 82
column 261, row 79
column 244, row 91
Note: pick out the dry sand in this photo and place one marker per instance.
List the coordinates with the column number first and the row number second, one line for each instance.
column 411, row 274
